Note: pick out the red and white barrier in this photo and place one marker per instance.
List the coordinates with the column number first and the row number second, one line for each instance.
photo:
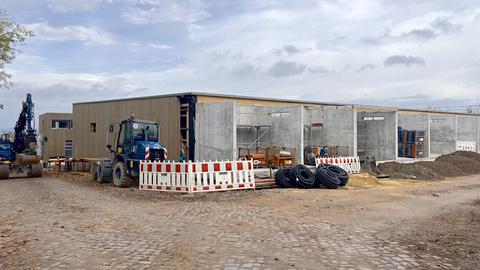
column 350, row 164
column 194, row 177
column 466, row 146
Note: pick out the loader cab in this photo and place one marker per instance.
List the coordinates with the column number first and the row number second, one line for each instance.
column 137, row 141
column 133, row 132
column 135, row 137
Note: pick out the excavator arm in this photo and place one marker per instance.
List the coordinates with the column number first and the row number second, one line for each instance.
column 24, row 131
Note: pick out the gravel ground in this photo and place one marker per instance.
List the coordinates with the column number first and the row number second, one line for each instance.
column 72, row 223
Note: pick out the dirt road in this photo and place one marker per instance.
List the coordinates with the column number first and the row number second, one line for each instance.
column 52, row 223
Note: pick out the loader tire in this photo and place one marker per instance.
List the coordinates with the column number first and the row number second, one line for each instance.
column 36, row 170
column 93, row 171
column 103, row 172
column 4, row 171
column 120, row 177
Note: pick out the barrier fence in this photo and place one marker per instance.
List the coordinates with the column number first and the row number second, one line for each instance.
column 68, row 165
column 350, row 164
column 466, row 146
column 192, row 177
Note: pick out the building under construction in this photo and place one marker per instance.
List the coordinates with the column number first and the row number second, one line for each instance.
column 213, row 126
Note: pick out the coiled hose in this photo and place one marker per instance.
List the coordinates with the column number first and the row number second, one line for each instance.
column 341, row 174
column 282, row 178
column 302, row 177
column 324, row 177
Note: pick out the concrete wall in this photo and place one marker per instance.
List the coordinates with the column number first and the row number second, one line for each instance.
column 416, row 121
column 337, row 127
column 285, row 127
column 442, row 134
column 215, row 131
column 467, row 129
column 377, row 137
column 248, row 116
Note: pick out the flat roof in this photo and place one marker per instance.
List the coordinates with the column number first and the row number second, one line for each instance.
column 205, row 94
column 299, row 101
column 54, row 113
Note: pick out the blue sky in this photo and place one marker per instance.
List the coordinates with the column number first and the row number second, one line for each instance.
column 396, row 53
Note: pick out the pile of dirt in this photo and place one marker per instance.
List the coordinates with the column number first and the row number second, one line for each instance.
column 460, row 163
column 363, row 180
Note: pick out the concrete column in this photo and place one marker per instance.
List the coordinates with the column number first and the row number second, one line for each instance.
column 234, row 133
column 456, row 132
column 396, row 135
column 355, row 139
column 428, row 134
column 302, row 135
column 478, row 134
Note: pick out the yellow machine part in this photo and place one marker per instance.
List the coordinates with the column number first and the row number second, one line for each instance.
column 23, row 159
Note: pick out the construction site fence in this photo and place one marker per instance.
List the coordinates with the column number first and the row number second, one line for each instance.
column 350, row 164
column 466, row 146
column 69, row 165
column 192, row 177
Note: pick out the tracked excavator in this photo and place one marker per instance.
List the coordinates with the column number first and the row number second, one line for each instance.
column 20, row 156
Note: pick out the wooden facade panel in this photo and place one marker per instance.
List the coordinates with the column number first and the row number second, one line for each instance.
column 87, row 144
column 55, row 144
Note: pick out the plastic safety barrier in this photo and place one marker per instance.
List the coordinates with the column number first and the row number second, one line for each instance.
column 192, row 177
column 467, row 146
column 350, row 164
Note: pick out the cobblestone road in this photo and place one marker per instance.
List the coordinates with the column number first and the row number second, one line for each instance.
column 56, row 224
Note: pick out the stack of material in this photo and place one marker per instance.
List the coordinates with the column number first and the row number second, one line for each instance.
column 275, row 157
column 325, row 176
column 411, row 143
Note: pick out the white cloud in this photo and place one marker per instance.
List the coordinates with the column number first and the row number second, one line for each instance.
column 316, row 50
column 164, row 11
column 159, row 46
column 87, row 35
column 65, row 6
column 27, row 59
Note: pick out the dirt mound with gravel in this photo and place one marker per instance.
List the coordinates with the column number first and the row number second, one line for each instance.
column 460, row 163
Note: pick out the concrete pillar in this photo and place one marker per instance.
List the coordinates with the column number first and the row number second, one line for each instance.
column 302, row 135
column 355, row 139
column 456, row 131
column 396, row 135
column 428, row 134
column 234, row 133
